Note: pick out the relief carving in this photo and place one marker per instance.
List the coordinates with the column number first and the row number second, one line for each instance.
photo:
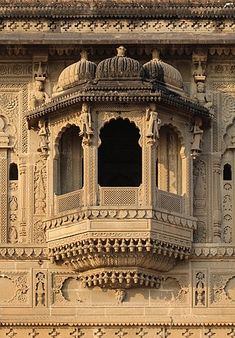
column 227, row 212
column 153, row 124
column 197, row 132
column 40, row 289
column 43, row 134
column 199, row 180
column 86, row 124
column 13, row 236
column 200, row 289
column 40, row 178
column 39, row 95
column 39, row 235
column 77, row 333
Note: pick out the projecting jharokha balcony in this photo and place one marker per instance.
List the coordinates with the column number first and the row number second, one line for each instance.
column 118, row 242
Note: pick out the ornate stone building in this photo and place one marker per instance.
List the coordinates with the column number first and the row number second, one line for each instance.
column 117, row 159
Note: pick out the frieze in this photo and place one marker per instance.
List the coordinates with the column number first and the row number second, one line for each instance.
column 118, row 329
column 213, row 251
column 111, row 26
column 15, row 70
column 23, row 252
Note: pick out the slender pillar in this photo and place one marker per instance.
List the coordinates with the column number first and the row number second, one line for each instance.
column 216, row 197
column 4, row 141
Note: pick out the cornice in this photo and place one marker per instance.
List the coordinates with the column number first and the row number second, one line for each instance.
column 118, row 9
column 163, row 96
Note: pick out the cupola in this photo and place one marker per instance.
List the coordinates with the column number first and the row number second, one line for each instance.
column 159, row 71
column 119, row 67
column 77, row 73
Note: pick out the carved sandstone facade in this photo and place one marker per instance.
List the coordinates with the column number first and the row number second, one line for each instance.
column 117, row 198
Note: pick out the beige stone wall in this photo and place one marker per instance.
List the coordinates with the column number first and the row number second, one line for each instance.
column 41, row 299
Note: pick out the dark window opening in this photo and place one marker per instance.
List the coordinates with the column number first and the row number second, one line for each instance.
column 70, row 160
column 227, row 172
column 13, row 172
column 119, row 155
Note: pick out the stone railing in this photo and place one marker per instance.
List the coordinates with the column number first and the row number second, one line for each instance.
column 118, row 196
column 170, row 202
column 69, row 201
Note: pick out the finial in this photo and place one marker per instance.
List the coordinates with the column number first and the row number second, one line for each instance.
column 121, row 51
column 155, row 54
column 40, row 75
column 84, row 55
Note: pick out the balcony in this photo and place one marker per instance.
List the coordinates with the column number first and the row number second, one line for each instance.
column 119, row 243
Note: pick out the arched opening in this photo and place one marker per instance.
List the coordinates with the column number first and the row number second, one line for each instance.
column 13, row 172
column 70, row 165
column 169, row 161
column 227, row 172
column 120, row 155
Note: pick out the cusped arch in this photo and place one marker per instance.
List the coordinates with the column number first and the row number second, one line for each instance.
column 119, row 154
column 59, row 134
column 116, row 116
column 181, row 137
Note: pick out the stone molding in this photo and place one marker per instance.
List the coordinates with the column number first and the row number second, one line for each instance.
column 22, row 252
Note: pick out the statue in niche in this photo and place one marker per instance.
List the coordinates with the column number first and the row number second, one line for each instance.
column 43, row 134
column 153, row 125
column 85, row 119
column 197, row 138
column 39, row 95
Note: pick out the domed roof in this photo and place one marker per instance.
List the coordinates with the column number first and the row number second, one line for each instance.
column 119, row 66
column 80, row 71
column 158, row 70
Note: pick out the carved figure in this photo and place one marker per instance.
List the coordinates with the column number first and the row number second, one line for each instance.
column 39, row 95
column 43, row 134
column 85, row 119
column 201, row 95
column 197, row 139
column 153, row 126
column 120, row 295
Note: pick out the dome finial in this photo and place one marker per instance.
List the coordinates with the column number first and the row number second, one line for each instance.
column 155, row 54
column 84, row 55
column 121, row 51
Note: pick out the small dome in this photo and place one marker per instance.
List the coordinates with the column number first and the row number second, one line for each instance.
column 158, row 70
column 119, row 66
column 80, row 71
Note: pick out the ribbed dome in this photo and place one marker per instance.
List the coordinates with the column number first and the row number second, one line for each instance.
column 82, row 70
column 119, row 66
column 158, row 70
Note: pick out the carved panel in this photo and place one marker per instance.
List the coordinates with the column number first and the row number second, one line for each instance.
column 200, row 288
column 227, row 211
column 222, row 289
column 13, row 226
column 16, row 286
column 40, row 186
column 40, row 288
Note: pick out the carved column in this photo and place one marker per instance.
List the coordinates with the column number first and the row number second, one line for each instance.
column 4, row 141
column 149, row 153
column 216, row 193
column 90, row 171
column 22, row 200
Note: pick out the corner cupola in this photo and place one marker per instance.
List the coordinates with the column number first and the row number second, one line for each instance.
column 159, row 71
column 119, row 67
column 77, row 73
